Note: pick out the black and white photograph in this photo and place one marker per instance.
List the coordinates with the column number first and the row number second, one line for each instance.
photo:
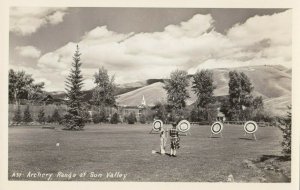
column 150, row 94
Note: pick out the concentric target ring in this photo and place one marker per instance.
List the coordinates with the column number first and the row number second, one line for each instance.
column 250, row 127
column 216, row 127
column 157, row 124
column 183, row 126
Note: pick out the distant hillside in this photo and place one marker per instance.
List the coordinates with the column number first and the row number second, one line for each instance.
column 153, row 93
column 273, row 83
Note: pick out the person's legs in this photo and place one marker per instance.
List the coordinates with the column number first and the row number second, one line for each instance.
column 162, row 148
column 174, row 152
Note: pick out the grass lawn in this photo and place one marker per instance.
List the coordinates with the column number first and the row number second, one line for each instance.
column 127, row 149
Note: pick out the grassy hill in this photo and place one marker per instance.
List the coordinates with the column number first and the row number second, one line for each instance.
column 273, row 83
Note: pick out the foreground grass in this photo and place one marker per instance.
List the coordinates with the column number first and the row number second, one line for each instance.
column 127, row 149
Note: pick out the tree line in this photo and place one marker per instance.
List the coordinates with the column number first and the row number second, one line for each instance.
column 240, row 104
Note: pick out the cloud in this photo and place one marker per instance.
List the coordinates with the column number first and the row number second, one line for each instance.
column 28, row 51
column 190, row 45
column 27, row 20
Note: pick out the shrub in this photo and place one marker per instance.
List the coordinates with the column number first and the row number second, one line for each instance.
column 115, row 118
column 96, row 117
column 286, row 128
column 131, row 119
column 41, row 116
column 17, row 116
column 27, row 115
column 56, row 117
column 49, row 119
column 142, row 119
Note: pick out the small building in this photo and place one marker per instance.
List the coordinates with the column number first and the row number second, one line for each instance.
column 140, row 109
column 220, row 116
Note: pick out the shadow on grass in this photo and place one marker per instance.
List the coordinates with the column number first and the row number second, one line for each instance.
column 275, row 157
column 244, row 138
column 215, row 137
column 166, row 154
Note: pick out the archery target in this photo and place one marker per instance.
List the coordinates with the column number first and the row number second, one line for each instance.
column 216, row 127
column 183, row 126
column 250, row 127
column 157, row 124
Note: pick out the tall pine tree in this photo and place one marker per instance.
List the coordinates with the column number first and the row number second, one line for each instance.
column 73, row 119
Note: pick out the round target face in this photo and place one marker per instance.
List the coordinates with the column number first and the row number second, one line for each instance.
column 250, row 127
column 216, row 127
column 157, row 124
column 183, row 126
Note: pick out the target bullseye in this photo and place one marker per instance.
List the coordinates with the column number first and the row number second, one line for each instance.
column 250, row 127
column 183, row 126
column 157, row 124
column 216, row 127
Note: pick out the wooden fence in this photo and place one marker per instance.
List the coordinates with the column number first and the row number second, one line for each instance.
column 260, row 124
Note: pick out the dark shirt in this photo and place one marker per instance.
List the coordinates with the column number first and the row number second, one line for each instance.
column 173, row 133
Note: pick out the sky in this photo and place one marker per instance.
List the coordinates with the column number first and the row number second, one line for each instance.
column 136, row 44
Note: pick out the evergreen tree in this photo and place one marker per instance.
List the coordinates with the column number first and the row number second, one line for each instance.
column 17, row 116
column 27, row 115
column 131, row 118
column 115, row 118
column 142, row 119
column 41, row 116
column 73, row 119
column 96, row 117
column 176, row 88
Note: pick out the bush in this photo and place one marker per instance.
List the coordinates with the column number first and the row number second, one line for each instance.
column 131, row 119
column 96, row 117
column 27, row 115
column 17, row 116
column 100, row 116
column 55, row 117
column 41, row 116
column 142, row 119
column 115, row 118
column 49, row 119
column 286, row 128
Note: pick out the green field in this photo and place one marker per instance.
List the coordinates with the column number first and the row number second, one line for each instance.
column 127, row 149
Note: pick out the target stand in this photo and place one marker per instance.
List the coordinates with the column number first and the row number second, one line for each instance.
column 250, row 127
column 216, row 129
column 157, row 124
column 184, row 127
